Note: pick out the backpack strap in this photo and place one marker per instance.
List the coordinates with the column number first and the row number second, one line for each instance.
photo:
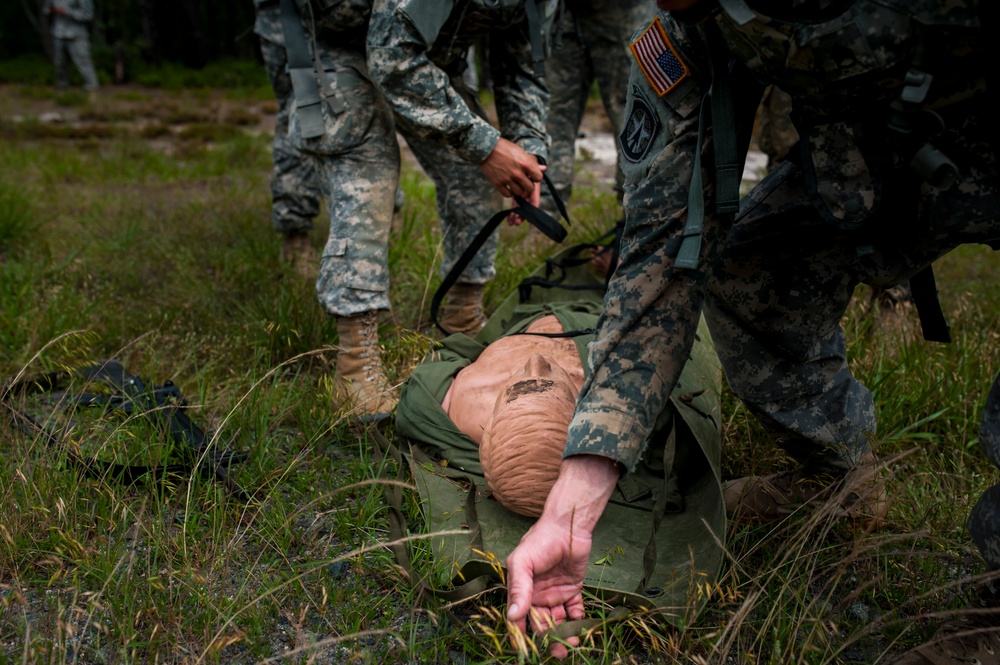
column 719, row 106
column 536, row 216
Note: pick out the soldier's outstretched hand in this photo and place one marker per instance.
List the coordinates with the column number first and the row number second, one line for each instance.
column 545, row 571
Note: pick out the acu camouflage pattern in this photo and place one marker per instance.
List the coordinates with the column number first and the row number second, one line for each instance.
column 417, row 54
column 776, row 133
column 417, row 51
column 774, row 282
column 295, row 191
column 593, row 46
column 357, row 160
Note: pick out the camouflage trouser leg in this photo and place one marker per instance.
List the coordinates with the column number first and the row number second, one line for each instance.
column 295, row 190
column 466, row 201
column 776, row 297
column 79, row 53
column 984, row 521
column 357, row 157
column 569, row 73
column 594, row 48
column 59, row 61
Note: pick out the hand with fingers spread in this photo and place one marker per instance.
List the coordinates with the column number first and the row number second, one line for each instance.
column 545, row 572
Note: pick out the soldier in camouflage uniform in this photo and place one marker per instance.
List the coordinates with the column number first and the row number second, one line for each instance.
column 417, row 52
column 593, row 46
column 775, row 279
column 295, row 191
column 358, row 158
column 70, row 21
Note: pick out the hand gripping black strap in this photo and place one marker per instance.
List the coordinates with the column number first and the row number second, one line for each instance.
column 536, row 216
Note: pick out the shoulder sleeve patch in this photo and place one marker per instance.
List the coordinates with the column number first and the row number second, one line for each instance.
column 658, row 59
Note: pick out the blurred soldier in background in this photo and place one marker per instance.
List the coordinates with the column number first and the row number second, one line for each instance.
column 594, row 37
column 70, row 27
column 295, row 191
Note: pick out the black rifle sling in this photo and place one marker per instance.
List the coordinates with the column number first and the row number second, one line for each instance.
column 923, row 288
column 164, row 404
column 535, row 216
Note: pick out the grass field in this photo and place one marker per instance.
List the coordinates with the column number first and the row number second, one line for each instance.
column 138, row 227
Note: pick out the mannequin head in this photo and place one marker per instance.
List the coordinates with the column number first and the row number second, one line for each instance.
column 525, row 434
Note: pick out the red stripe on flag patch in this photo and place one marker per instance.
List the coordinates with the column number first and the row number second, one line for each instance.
column 658, row 58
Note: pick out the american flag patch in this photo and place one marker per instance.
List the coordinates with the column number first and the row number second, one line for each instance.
column 658, row 59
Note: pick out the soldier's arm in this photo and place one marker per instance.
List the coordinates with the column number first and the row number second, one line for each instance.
column 418, row 91
column 522, row 97
column 652, row 309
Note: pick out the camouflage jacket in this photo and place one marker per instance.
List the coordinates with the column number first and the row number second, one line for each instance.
column 843, row 73
column 72, row 22
column 417, row 47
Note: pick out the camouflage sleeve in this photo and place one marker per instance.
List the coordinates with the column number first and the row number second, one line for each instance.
column 651, row 309
column 418, row 91
column 522, row 99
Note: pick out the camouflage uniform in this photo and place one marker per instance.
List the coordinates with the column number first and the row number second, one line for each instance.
column 295, row 190
column 775, row 281
column 357, row 161
column 593, row 47
column 777, row 133
column 71, row 34
column 417, row 55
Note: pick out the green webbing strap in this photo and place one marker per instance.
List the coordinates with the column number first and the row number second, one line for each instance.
column 726, row 153
column 687, row 254
column 302, row 72
column 483, row 578
column 569, row 629
column 535, row 34
column 537, row 217
column 659, row 508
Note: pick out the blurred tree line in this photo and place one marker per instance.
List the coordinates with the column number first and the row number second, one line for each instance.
column 191, row 33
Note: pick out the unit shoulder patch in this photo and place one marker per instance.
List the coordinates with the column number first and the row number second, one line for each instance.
column 658, row 58
column 641, row 127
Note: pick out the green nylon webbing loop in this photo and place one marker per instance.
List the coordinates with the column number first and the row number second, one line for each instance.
column 302, row 72
column 725, row 151
column 535, row 34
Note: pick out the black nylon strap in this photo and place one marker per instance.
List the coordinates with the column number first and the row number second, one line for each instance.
column 923, row 287
column 535, row 216
column 302, row 72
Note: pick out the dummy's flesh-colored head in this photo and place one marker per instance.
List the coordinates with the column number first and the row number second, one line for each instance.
column 525, row 435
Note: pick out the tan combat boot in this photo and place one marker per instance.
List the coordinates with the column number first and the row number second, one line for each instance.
column 361, row 382
column 463, row 311
column 860, row 495
column 298, row 252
